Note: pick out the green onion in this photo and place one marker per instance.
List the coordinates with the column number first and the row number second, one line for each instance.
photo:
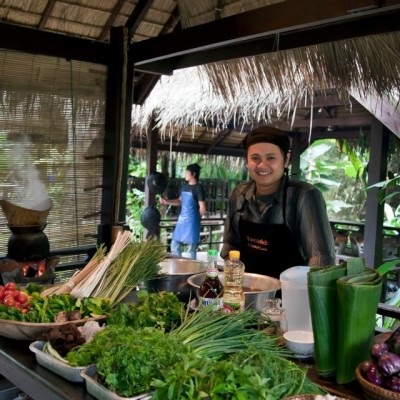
column 213, row 334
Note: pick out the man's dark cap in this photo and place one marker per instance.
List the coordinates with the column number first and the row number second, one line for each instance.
column 268, row 134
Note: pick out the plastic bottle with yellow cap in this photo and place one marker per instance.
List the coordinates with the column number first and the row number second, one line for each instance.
column 233, row 298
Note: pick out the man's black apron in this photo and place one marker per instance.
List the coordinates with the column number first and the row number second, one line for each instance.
column 268, row 249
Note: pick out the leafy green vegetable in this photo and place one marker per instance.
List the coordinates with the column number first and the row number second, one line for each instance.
column 161, row 310
column 247, row 374
column 210, row 355
column 127, row 360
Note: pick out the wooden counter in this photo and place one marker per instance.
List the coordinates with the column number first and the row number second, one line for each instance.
column 18, row 365
column 351, row 391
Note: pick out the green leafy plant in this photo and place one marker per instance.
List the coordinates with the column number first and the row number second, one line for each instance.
column 393, row 181
column 339, row 174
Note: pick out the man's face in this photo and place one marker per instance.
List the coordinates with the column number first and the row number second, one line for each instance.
column 189, row 176
column 266, row 165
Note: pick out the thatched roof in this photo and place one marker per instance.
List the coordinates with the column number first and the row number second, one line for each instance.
column 211, row 104
column 281, row 88
column 271, row 88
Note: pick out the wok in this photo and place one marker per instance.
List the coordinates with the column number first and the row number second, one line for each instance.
column 176, row 272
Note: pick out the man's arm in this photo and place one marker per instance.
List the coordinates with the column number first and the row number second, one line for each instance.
column 202, row 208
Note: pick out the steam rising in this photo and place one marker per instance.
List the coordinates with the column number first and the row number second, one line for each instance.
column 30, row 192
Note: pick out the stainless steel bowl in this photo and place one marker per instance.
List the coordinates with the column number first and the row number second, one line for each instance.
column 175, row 273
column 257, row 288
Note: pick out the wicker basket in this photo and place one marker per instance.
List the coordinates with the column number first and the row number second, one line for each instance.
column 20, row 216
column 374, row 392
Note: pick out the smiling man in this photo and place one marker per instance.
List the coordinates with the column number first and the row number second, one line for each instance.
column 275, row 222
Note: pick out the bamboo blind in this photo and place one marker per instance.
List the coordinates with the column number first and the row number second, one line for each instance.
column 51, row 142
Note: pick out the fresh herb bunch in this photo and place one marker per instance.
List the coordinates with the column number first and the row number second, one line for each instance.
column 161, row 310
column 45, row 309
column 137, row 262
column 246, row 374
column 210, row 355
column 127, row 360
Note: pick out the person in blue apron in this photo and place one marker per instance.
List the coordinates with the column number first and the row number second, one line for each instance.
column 193, row 207
column 276, row 223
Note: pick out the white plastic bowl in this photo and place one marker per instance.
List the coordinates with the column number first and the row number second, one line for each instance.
column 301, row 343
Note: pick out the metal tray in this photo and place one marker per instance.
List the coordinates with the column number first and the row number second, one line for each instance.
column 72, row 374
column 100, row 392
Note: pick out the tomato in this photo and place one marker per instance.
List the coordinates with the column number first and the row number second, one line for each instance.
column 11, row 286
column 24, row 310
column 17, row 304
column 9, row 301
column 2, row 291
column 13, row 293
column 21, row 297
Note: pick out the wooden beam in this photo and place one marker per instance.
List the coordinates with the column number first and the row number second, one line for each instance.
column 218, row 139
column 34, row 41
column 148, row 81
column 110, row 21
column 348, row 134
column 280, row 26
column 362, row 5
column 385, row 111
column 47, row 12
column 138, row 13
column 363, row 120
column 194, row 148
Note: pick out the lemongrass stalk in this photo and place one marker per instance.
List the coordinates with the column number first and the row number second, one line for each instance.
column 80, row 275
column 136, row 263
column 86, row 286
column 122, row 241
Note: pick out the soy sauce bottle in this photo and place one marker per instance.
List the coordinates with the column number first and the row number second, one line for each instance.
column 211, row 290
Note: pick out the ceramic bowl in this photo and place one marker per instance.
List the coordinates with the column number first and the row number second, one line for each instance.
column 301, row 343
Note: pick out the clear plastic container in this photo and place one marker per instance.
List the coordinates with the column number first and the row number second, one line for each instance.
column 233, row 298
column 295, row 298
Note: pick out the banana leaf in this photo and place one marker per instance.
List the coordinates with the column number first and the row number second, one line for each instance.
column 358, row 296
column 323, row 303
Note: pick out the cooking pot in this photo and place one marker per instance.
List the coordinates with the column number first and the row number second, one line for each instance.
column 28, row 246
column 174, row 278
column 257, row 288
column 157, row 182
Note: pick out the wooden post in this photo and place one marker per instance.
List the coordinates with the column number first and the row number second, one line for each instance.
column 377, row 169
column 116, row 140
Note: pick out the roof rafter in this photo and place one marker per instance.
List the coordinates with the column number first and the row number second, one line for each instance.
column 295, row 24
column 47, row 12
column 114, row 13
column 137, row 15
